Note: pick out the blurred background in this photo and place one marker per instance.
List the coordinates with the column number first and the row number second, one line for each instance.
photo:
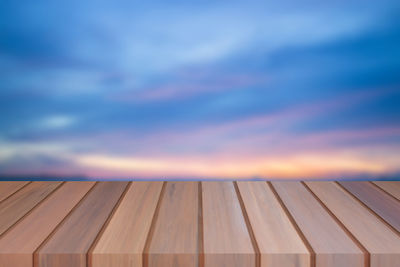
column 200, row 89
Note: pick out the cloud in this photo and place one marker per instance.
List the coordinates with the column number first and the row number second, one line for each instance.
column 186, row 86
column 29, row 158
column 57, row 122
column 223, row 89
column 300, row 165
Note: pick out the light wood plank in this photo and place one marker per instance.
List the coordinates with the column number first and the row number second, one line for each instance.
column 376, row 237
column 377, row 200
column 18, row 245
column 71, row 241
column 277, row 239
column 15, row 207
column 175, row 235
column 391, row 187
column 226, row 238
column 164, row 224
column 9, row 188
column 123, row 241
column 332, row 246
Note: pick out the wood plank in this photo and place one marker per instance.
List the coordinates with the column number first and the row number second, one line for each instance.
column 391, row 187
column 72, row 239
column 382, row 243
column 319, row 227
column 15, row 207
column 123, row 241
column 18, row 245
column 175, row 237
column 277, row 238
column 227, row 241
column 9, row 188
column 377, row 200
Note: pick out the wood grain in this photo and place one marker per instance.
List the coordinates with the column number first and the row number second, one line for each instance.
column 226, row 238
column 201, row 224
column 123, row 241
column 374, row 235
column 377, row 200
column 71, row 241
column 18, row 245
column 175, row 237
column 16, row 206
column 329, row 241
column 9, row 188
column 277, row 238
column 391, row 187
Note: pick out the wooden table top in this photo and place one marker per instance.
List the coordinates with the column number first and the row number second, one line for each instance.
column 200, row 224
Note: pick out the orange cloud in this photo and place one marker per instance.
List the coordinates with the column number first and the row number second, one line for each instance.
column 302, row 165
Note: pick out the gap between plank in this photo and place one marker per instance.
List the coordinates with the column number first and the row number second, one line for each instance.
column 367, row 256
column 394, row 230
column 35, row 253
column 200, row 231
column 295, row 225
column 248, row 224
column 384, row 191
column 32, row 209
column 106, row 223
column 19, row 189
column 145, row 255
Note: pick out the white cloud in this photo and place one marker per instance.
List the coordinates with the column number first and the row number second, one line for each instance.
column 165, row 40
column 57, row 121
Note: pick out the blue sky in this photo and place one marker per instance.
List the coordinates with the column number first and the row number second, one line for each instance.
column 184, row 89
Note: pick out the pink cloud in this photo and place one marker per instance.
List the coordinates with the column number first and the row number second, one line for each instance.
column 191, row 86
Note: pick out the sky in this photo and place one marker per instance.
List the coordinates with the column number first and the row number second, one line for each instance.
column 200, row 89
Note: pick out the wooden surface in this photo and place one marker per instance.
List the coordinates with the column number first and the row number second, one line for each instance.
column 391, row 187
column 123, row 241
column 18, row 244
column 381, row 242
column 200, row 224
column 71, row 241
column 174, row 240
column 382, row 204
column 9, row 188
column 330, row 243
column 20, row 203
column 276, row 236
column 227, row 240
